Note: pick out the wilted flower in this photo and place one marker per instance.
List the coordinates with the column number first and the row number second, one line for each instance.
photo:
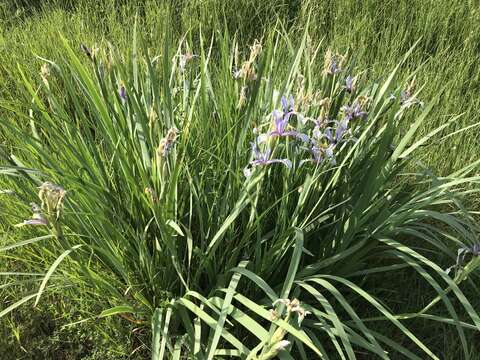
column 409, row 90
column 247, row 72
column 407, row 100
column 273, row 315
column 324, row 102
column 293, row 306
column 255, row 50
column 287, row 302
column 52, row 197
column 167, row 142
column 333, row 63
column 301, row 312
column 281, row 345
column 406, row 96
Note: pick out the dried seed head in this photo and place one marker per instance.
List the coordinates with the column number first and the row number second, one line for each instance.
column 152, row 117
column 255, row 50
column 325, row 102
column 247, row 71
column 95, row 52
column 412, row 85
column 363, row 101
column 242, row 99
column 151, row 194
column 45, row 73
column 333, row 63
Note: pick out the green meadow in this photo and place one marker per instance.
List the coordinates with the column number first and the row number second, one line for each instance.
column 255, row 179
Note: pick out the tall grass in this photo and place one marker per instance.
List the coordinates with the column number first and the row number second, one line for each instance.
column 152, row 215
column 378, row 33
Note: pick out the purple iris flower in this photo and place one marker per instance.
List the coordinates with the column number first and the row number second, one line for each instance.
column 263, row 158
column 475, row 249
column 123, row 93
column 280, row 126
column 38, row 222
column 333, row 135
column 320, row 153
column 317, row 154
column 287, row 105
column 340, row 132
column 320, row 124
column 317, row 132
column 334, row 68
column 37, row 219
column 353, row 111
column 330, row 137
column 349, row 84
column 281, row 122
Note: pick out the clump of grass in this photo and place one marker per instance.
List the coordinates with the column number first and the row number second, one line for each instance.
column 141, row 162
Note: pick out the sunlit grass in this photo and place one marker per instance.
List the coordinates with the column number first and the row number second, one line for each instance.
column 151, row 144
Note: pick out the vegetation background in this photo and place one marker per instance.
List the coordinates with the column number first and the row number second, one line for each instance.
column 377, row 33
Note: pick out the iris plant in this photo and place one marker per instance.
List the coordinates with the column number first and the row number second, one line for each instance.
column 321, row 146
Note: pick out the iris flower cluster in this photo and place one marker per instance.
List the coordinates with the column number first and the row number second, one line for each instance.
column 321, row 145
